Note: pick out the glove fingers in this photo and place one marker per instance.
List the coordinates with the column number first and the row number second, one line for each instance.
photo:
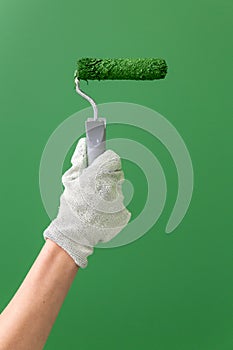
column 109, row 161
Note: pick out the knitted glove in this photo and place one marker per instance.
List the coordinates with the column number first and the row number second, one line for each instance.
column 91, row 206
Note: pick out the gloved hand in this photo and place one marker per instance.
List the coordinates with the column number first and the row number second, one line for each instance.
column 91, row 206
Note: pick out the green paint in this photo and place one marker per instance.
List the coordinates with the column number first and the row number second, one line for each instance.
column 121, row 69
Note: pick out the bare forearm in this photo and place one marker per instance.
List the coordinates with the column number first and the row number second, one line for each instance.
column 27, row 320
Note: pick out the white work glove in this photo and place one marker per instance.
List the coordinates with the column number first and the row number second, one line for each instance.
column 91, row 206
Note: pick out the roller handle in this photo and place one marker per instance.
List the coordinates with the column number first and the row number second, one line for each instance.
column 95, row 138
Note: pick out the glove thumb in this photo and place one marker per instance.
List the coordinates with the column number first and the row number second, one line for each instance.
column 78, row 161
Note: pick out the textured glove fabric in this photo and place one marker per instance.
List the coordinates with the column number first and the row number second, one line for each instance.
column 91, row 206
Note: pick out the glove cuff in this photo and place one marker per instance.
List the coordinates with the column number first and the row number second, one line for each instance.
column 78, row 252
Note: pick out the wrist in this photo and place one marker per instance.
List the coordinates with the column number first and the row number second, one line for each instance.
column 58, row 253
column 76, row 251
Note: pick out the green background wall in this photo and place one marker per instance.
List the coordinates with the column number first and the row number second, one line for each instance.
column 163, row 291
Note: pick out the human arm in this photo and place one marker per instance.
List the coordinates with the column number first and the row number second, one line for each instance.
column 27, row 320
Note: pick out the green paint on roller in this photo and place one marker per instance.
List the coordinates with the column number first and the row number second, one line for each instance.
column 121, row 69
